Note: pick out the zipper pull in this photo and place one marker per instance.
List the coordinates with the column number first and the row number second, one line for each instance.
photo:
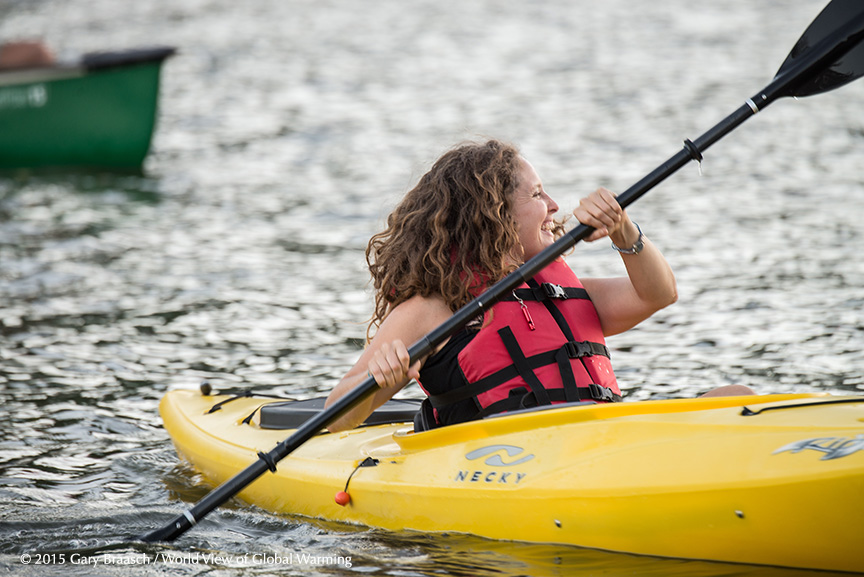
column 525, row 312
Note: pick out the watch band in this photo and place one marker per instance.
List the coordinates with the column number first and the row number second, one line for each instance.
column 637, row 246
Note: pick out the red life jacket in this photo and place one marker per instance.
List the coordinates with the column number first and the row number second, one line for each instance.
column 542, row 345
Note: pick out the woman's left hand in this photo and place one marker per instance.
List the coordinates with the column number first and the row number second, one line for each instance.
column 601, row 211
column 649, row 286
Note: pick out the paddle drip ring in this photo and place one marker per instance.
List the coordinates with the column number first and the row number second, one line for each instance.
column 271, row 464
column 691, row 148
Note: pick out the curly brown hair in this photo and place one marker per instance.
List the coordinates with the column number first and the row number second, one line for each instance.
column 453, row 234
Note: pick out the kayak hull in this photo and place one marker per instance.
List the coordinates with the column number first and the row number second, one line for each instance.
column 693, row 479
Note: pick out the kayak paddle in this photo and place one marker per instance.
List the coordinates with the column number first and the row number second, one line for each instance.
column 829, row 54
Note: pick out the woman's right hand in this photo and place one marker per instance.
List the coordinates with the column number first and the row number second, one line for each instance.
column 386, row 359
column 390, row 366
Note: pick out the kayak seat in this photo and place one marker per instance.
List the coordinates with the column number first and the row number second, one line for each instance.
column 292, row 414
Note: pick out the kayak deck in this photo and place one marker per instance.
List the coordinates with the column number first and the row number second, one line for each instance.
column 775, row 480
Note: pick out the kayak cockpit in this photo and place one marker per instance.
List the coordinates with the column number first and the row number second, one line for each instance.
column 292, row 414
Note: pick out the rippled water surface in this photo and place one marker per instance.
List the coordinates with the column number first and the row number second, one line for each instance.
column 286, row 132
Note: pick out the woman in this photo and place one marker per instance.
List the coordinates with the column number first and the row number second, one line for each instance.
column 477, row 215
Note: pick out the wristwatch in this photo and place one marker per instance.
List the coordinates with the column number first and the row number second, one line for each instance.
column 637, row 246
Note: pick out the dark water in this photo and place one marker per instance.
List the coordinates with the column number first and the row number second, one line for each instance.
column 287, row 130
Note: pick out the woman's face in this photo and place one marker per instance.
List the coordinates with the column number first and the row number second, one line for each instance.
column 532, row 210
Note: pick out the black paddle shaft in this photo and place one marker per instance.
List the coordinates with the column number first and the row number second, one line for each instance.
column 838, row 31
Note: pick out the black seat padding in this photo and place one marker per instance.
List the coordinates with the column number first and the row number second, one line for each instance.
column 292, row 414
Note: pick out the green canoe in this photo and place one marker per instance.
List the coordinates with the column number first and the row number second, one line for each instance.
column 98, row 113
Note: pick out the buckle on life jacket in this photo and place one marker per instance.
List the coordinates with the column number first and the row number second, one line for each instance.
column 554, row 291
column 578, row 349
column 601, row 393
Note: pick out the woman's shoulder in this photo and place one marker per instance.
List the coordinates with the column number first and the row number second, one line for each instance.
column 413, row 319
column 422, row 310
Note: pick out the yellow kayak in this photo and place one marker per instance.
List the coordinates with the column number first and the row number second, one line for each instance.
column 773, row 480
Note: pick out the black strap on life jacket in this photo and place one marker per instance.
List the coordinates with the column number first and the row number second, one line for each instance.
column 574, row 350
column 521, row 398
column 565, row 368
column 521, row 363
column 524, row 367
column 546, row 291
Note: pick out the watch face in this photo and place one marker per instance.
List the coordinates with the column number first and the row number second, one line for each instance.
column 637, row 246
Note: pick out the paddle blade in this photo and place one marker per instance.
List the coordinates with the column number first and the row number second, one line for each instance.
column 836, row 36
